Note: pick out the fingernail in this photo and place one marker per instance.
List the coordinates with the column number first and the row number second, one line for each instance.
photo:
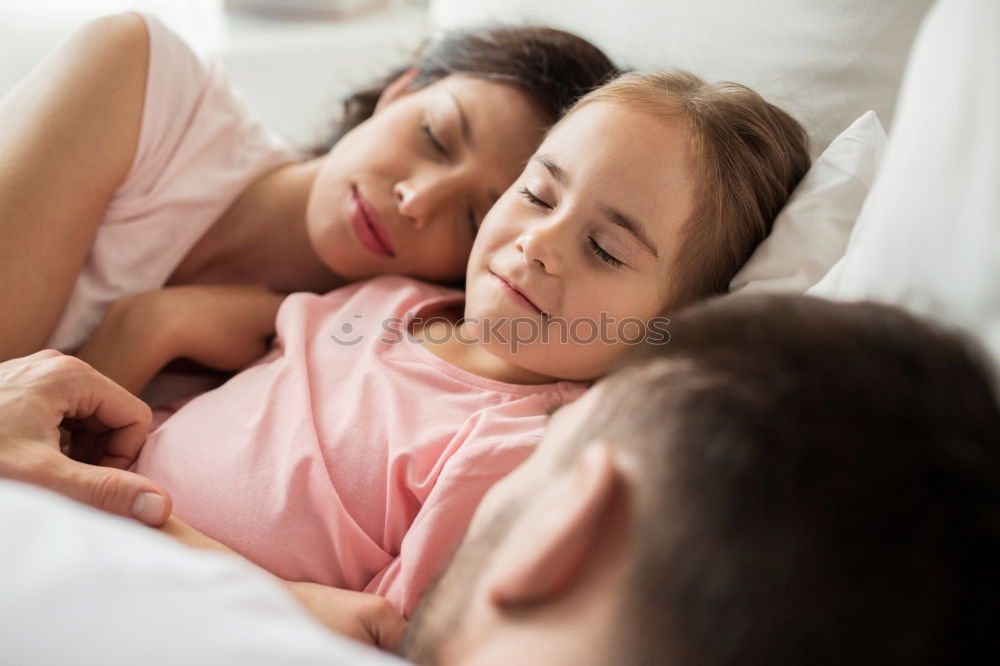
column 149, row 507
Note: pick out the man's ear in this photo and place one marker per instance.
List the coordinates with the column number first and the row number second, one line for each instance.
column 554, row 540
column 397, row 87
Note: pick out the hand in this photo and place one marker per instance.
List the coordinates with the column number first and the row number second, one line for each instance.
column 364, row 617
column 223, row 327
column 107, row 426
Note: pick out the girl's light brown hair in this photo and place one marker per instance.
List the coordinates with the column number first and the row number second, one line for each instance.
column 748, row 156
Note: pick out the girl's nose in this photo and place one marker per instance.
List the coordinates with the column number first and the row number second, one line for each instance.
column 542, row 245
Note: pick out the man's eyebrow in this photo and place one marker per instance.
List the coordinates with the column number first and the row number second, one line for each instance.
column 557, row 171
column 627, row 223
column 463, row 122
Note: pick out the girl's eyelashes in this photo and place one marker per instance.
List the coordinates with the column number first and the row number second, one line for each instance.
column 601, row 253
column 532, row 198
column 604, row 255
column 433, row 140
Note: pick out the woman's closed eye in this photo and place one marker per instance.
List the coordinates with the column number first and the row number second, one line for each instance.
column 472, row 221
column 433, row 140
column 439, row 148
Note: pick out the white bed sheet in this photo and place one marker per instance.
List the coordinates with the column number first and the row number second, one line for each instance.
column 83, row 587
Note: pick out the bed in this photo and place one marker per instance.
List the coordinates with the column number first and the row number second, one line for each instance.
column 874, row 218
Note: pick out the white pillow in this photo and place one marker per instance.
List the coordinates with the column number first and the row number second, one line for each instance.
column 929, row 235
column 811, row 232
column 826, row 62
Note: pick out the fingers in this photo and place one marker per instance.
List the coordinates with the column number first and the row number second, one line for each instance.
column 43, row 354
column 109, row 425
column 105, row 488
column 386, row 626
column 363, row 617
column 94, row 399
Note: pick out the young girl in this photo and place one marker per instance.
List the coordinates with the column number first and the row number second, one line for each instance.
column 127, row 164
column 354, row 453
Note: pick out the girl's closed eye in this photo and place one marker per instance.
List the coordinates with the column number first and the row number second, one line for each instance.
column 604, row 255
column 599, row 251
column 533, row 199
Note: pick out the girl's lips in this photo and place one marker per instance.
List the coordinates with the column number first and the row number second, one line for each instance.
column 516, row 293
column 368, row 226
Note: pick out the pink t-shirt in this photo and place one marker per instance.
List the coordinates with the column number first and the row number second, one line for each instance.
column 355, row 463
column 198, row 150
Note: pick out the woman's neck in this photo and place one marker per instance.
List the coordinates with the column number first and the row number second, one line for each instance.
column 262, row 238
column 449, row 339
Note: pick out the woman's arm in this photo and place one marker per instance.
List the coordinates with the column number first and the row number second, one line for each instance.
column 68, row 135
column 364, row 617
column 223, row 327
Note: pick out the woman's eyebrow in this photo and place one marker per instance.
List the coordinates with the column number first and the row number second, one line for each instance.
column 463, row 121
column 622, row 220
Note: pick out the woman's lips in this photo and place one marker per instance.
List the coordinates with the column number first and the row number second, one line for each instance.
column 515, row 293
column 368, row 226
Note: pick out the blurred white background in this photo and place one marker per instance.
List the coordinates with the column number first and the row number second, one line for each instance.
column 292, row 72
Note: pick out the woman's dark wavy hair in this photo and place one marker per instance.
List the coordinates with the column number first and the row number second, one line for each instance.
column 553, row 67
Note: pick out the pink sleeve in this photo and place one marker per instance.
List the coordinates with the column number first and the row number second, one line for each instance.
column 442, row 520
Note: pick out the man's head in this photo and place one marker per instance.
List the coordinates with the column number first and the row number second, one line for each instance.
column 788, row 481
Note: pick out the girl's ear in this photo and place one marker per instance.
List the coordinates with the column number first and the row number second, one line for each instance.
column 557, row 538
column 396, row 88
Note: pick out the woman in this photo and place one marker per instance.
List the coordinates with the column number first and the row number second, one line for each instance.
column 128, row 165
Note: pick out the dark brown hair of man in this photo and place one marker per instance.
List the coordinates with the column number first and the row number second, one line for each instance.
column 819, row 484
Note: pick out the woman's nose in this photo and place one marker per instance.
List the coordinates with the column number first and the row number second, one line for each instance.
column 422, row 200
column 542, row 245
column 410, row 203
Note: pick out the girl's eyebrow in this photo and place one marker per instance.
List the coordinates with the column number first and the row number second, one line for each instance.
column 558, row 173
column 615, row 216
column 622, row 220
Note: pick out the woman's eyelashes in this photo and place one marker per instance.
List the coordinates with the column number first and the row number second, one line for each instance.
column 472, row 221
column 439, row 148
column 595, row 247
column 433, row 140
